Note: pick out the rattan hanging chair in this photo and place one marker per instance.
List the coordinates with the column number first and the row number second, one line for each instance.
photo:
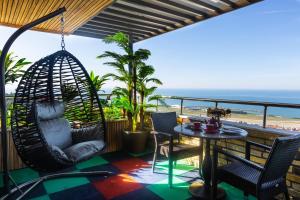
column 54, row 93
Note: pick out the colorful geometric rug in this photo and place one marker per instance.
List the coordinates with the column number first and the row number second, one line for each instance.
column 132, row 179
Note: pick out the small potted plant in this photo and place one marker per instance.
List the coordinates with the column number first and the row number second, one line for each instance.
column 216, row 114
column 134, row 139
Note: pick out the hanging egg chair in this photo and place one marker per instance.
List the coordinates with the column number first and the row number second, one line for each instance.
column 57, row 119
column 54, row 97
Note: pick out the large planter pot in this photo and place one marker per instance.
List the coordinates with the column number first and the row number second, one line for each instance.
column 114, row 135
column 135, row 141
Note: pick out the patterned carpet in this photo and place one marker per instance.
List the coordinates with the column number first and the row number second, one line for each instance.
column 132, row 179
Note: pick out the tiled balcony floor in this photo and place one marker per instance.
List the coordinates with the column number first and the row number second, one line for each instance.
column 132, row 179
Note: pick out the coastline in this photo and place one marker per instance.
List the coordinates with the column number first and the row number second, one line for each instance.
column 277, row 122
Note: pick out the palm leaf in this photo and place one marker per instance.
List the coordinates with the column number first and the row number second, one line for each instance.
column 154, row 80
column 13, row 67
column 158, row 98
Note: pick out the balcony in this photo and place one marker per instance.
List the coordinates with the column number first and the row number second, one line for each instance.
column 57, row 90
column 133, row 171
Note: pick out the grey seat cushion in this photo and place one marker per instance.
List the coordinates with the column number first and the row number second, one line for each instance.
column 55, row 128
column 59, row 153
column 46, row 111
column 84, row 150
column 87, row 134
column 57, row 132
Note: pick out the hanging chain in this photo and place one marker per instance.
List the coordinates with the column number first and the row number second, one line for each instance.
column 62, row 27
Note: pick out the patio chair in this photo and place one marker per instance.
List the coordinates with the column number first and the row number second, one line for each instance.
column 167, row 142
column 264, row 182
column 54, row 93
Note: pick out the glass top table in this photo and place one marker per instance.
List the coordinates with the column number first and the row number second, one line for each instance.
column 200, row 190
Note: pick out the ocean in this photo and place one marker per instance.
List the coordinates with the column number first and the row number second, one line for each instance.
column 277, row 96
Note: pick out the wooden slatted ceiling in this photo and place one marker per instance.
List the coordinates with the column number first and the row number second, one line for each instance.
column 16, row 13
column 98, row 18
column 148, row 18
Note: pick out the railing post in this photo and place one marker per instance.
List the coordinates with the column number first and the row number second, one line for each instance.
column 265, row 105
column 181, row 106
column 265, row 116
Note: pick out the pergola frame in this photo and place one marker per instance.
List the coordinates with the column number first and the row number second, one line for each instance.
column 144, row 19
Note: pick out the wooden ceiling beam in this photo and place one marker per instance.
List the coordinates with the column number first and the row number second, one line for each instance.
column 130, row 21
column 107, row 31
column 117, row 27
column 144, row 12
column 166, row 11
column 125, row 24
column 208, row 6
column 128, row 26
column 124, row 14
column 185, row 8
column 231, row 4
column 107, row 28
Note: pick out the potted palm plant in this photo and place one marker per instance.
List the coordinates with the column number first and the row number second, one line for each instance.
column 134, row 74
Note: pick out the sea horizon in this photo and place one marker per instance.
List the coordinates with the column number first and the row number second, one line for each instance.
column 259, row 94
column 262, row 95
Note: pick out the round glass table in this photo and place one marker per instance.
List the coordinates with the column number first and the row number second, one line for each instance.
column 202, row 190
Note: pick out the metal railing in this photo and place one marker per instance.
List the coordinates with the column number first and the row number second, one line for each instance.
column 265, row 105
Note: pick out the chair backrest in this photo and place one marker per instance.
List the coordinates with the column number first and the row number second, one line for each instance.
column 53, row 126
column 283, row 152
column 164, row 122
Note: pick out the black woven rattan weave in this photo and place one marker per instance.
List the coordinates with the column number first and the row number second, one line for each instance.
column 264, row 182
column 164, row 136
column 58, row 77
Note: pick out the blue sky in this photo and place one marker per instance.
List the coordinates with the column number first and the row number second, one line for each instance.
column 257, row 47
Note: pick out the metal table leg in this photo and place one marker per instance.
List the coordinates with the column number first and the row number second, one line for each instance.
column 202, row 190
